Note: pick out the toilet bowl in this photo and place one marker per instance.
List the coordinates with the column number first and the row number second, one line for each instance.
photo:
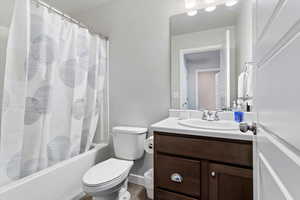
column 105, row 180
column 108, row 179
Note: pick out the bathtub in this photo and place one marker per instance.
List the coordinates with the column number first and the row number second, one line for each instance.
column 59, row 182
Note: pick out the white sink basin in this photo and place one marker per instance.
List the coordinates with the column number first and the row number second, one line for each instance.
column 222, row 125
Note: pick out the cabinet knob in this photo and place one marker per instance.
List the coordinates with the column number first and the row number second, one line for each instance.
column 213, row 174
column 177, row 178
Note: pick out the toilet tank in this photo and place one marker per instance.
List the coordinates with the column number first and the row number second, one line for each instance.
column 129, row 142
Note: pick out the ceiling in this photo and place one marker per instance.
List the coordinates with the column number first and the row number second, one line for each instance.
column 71, row 7
column 75, row 6
column 221, row 17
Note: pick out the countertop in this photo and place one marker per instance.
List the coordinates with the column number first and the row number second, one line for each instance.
column 170, row 125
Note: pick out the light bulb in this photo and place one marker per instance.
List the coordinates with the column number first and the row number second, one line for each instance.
column 192, row 13
column 210, row 8
column 231, row 3
column 189, row 4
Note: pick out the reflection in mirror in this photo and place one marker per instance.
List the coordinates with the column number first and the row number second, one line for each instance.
column 6, row 11
column 3, row 45
column 209, row 51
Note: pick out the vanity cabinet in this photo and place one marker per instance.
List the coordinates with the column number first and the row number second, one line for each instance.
column 203, row 168
column 227, row 182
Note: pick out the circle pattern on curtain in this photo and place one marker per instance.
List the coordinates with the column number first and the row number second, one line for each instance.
column 69, row 75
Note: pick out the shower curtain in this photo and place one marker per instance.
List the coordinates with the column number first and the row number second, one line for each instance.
column 53, row 92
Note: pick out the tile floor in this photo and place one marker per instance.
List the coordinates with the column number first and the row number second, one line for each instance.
column 137, row 192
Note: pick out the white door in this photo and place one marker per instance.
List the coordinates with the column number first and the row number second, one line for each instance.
column 277, row 53
column 206, row 86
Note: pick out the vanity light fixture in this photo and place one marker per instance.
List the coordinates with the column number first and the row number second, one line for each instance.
column 210, row 8
column 192, row 10
column 190, row 4
column 192, row 13
column 231, row 3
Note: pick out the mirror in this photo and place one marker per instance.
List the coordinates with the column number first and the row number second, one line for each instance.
column 6, row 11
column 209, row 51
column 3, row 45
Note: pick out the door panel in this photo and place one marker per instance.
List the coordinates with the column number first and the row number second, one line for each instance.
column 206, row 90
column 282, row 25
column 277, row 98
column 278, row 102
column 166, row 195
column 264, row 11
column 280, row 161
column 270, row 188
column 226, row 182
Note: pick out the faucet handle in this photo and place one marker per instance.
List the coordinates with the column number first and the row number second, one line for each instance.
column 216, row 115
column 205, row 114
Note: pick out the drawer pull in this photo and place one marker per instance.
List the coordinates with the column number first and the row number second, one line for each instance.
column 213, row 174
column 177, row 178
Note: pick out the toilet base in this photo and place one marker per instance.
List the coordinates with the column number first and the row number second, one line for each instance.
column 115, row 194
column 124, row 196
column 108, row 197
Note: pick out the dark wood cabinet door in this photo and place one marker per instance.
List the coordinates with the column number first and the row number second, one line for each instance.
column 230, row 183
column 165, row 195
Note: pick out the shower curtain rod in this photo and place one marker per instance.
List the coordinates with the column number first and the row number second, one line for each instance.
column 41, row 3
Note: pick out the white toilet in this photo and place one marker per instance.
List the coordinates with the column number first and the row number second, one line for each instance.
column 108, row 179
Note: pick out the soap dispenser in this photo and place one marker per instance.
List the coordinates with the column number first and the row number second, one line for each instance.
column 238, row 112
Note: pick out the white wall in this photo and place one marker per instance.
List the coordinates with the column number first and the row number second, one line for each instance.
column 139, row 61
column 244, row 34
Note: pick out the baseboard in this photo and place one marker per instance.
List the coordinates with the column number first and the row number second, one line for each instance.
column 136, row 179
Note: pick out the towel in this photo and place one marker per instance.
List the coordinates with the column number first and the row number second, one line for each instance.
column 249, row 81
column 242, row 85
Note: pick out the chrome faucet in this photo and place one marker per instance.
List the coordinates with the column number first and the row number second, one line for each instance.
column 205, row 115
column 210, row 115
column 216, row 115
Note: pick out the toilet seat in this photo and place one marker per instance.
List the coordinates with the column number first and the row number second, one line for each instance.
column 106, row 174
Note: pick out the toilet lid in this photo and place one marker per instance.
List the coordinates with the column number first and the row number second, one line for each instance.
column 106, row 171
column 129, row 130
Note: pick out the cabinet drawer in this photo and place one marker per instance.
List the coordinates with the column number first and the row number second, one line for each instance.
column 189, row 170
column 164, row 195
column 222, row 150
